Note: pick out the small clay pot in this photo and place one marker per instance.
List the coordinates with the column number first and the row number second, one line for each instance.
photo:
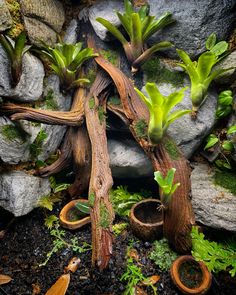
column 146, row 220
column 71, row 217
column 190, row 276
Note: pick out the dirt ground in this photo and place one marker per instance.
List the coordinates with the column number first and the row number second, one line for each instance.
column 27, row 242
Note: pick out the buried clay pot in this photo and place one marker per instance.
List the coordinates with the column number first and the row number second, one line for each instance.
column 71, row 217
column 146, row 219
column 190, row 276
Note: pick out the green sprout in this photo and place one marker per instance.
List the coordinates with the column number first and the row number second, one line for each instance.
column 139, row 26
column 159, row 108
column 166, row 185
column 201, row 72
column 66, row 61
column 224, row 104
column 15, row 51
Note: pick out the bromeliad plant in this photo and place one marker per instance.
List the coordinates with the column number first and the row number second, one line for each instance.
column 202, row 72
column 139, row 26
column 15, row 51
column 167, row 187
column 66, row 61
column 159, row 108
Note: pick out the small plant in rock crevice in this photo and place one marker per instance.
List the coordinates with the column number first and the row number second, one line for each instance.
column 167, row 187
column 15, row 51
column 60, row 241
column 202, row 72
column 222, row 147
column 159, row 107
column 139, row 26
column 224, row 104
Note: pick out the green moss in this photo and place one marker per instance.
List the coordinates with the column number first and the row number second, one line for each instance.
column 91, row 75
column 104, row 216
column 111, row 56
column 91, row 199
column 91, row 103
column 140, row 128
column 12, row 132
column 50, row 102
column 155, row 72
column 36, row 146
column 17, row 27
column 171, row 148
column 226, row 179
column 101, row 114
column 115, row 100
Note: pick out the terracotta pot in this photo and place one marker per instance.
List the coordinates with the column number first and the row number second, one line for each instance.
column 69, row 211
column 146, row 220
column 190, row 276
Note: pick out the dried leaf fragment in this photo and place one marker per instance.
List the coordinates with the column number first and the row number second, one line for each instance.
column 4, row 279
column 151, row 280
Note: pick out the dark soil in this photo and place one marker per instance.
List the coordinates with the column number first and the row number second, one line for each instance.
column 27, row 241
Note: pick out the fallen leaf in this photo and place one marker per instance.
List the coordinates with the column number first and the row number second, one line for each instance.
column 151, row 280
column 2, row 233
column 61, row 286
column 36, row 289
column 4, row 279
column 133, row 253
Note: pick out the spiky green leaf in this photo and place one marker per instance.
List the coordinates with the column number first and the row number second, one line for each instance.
column 211, row 41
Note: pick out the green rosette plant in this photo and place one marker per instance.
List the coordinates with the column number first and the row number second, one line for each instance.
column 15, row 51
column 202, row 72
column 66, row 61
column 159, row 107
column 167, row 186
column 139, row 26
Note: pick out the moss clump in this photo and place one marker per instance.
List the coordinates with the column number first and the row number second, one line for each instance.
column 91, row 75
column 226, row 179
column 36, row 146
column 155, row 72
column 140, row 128
column 91, row 199
column 91, row 103
column 171, row 148
column 111, row 56
column 17, row 27
column 50, row 103
column 101, row 114
column 115, row 100
column 104, row 216
column 12, row 132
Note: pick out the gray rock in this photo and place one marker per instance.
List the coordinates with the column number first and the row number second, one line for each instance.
column 127, row 160
column 188, row 133
column 5, row 17
column 14, row 142
column 213, row 205
column 30, row 86
column 71, row 32
column 105, row 9
column 20, row 192
column 195, row 21
column 228, row 62
column 43, row 19
column 18, row 147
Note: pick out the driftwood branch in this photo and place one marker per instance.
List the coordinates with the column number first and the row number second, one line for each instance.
column 179, row 218
column 102, row 214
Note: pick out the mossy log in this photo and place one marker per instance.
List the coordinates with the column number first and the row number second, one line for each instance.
column 180, row 217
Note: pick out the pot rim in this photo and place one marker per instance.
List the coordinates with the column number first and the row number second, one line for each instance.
column 66, row 208
column 135, row 219
column 206, row 276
